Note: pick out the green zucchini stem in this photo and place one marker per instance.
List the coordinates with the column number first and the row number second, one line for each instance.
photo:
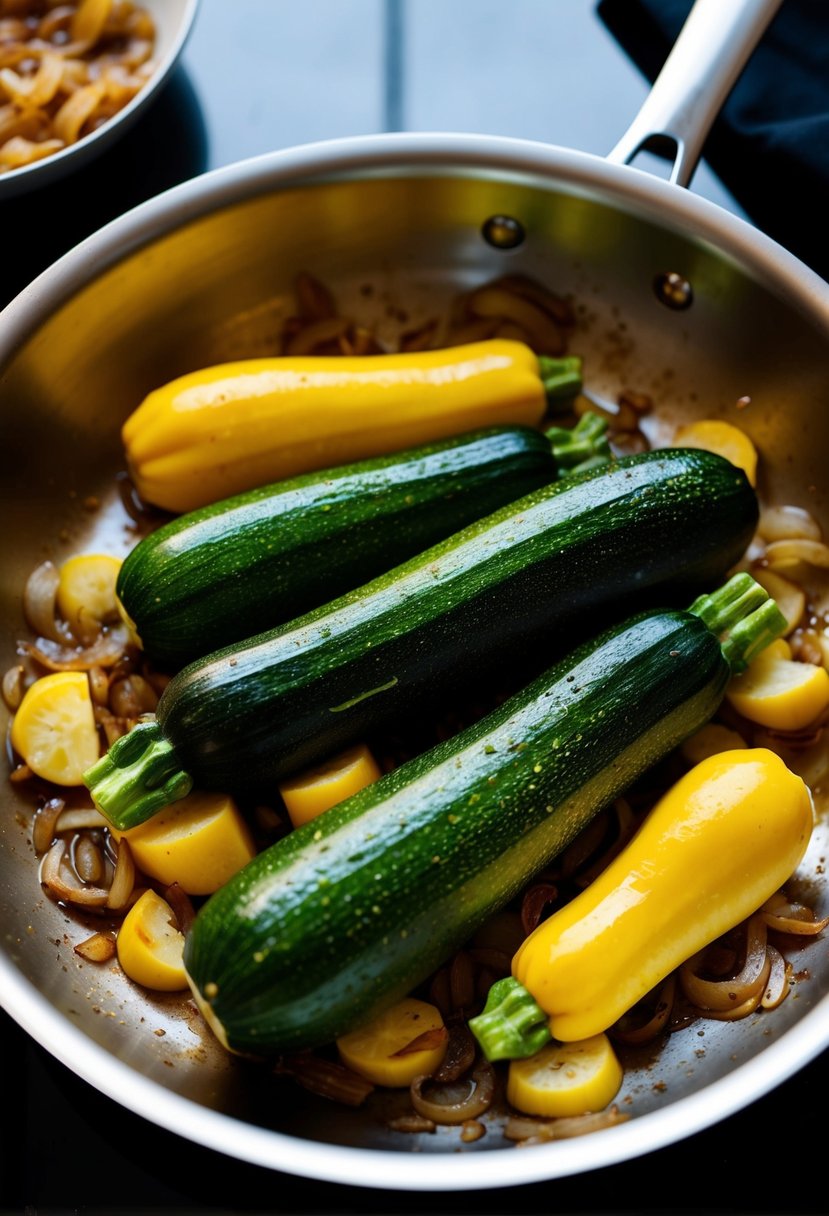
column 138, row 776
column 582, row 446
column 561, row 377
column 512, row 1025
column 745, row 620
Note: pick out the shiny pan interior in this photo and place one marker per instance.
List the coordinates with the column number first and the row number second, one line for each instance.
column 204, row 273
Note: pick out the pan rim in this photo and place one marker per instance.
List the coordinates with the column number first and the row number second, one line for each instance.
column 415, row 153
column 391, row 1169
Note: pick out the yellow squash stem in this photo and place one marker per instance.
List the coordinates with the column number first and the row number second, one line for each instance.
column 226, row 429
column 713, row 849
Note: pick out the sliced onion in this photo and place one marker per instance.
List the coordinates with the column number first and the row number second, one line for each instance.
column 459, row 1056
column 625, row 827
column 13, row 686
column 784, row 553
column 44, row 824
column 105, row 651
column 316, row 334
column 412, row 1123
column 480, row 1092
column 80, row 818
column 123, row 880
column 787, row 523
column 726, row 995
column 796, row 919
column 632, row 1032
column 39, row 598
column 539, row 1131
column 327, row 1079
column 52, row 878
column 87, row 859
column 99, row 948
column 535, row 900
column 777, row 985
column 430, row 1039
column 182, row 906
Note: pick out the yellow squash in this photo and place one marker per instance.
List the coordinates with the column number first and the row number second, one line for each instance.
column 715, row 847
column 381, row 1051
column 309, row 793
column 226, row 429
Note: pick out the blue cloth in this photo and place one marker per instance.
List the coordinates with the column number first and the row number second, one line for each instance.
column 770, row 143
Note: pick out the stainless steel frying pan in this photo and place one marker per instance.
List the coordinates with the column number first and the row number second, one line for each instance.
column 200, row 274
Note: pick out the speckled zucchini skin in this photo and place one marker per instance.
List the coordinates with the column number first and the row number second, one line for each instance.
column 356, row 908
column 237, row 567
column 670, row 522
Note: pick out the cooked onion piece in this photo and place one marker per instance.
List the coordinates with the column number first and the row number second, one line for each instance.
column 39, row 596
column 99, row 948
column 735, row 996
column 53, row 878
column 65, row 69
column 783, row 554
column 327, row 1079
column 787, row 523
column 105, row 651
column 444, row 1105
column 539, row 1131
column 647, row 1020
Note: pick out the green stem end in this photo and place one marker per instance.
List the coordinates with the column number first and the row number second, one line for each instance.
column 561, row 377
column 584, row 446
column 743, row 617
column 138, row 776
column 513, row 1025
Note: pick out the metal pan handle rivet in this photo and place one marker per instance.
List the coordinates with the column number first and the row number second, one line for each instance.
column 503, row 232
column 673, row 290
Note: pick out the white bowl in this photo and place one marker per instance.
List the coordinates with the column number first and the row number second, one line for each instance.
column 173, row 21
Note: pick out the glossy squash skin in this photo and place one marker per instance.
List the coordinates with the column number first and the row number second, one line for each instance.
column 506, row 592
column 249, row 563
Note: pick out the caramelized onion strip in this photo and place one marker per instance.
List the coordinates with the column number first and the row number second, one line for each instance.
column 478, row 1099
column 539, row 1131
column 51, row 876
column 728, row 995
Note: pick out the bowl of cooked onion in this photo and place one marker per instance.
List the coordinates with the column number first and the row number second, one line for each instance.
column 74, row 76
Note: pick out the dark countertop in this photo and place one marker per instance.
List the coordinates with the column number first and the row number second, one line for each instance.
column 258, row 75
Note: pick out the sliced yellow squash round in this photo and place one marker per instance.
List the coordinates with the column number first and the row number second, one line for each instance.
column 715, row 435
column 309, row 793
column 149, row 946
column 565, row 1079
column 780, row 693
column 199, row 842
column 374, row 1050
column 54, row 728
column 86, row 592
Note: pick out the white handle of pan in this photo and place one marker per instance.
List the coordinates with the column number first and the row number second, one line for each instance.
column 712, row 48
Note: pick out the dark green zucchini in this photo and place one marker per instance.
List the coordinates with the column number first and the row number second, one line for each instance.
column 490, row 595
column 356, row 908
column 237, row 567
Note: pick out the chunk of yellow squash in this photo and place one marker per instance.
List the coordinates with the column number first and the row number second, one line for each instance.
column 199, row 842
column 150, row 947
column 86, row 592
column 565, row 1079
column 373, row 1050
column 309, row 793
column 54, row 728
column 716, row 435
column 780, row 692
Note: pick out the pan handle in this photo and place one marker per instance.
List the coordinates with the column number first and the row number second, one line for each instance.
column 712, row 48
